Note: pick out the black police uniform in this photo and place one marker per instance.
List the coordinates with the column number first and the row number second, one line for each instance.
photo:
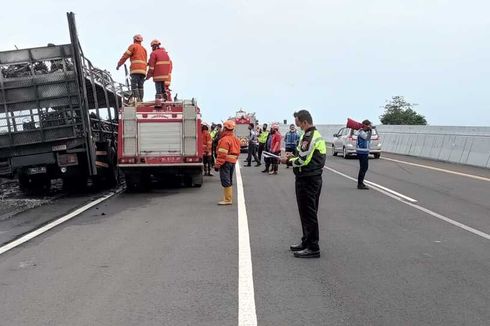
column 308, row 189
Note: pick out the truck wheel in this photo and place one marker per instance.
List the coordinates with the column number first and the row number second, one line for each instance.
column 34, row 185
column 197, row 180
column 137, row 182
column 75, row 183
column 112, row 172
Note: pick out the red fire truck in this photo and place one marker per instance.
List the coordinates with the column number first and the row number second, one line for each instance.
column 242, row 120
column 160, row 141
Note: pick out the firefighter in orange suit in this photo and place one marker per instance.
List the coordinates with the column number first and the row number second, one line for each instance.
column 138, row 57
column 160, row 68
column 207, row 144
column 227, row 153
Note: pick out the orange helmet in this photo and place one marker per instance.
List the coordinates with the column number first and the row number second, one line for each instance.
column 229, row 124
column 155, row 42
column 138, row 38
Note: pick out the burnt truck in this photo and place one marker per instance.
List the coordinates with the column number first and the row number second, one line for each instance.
column 161, row 141
column 58, row 116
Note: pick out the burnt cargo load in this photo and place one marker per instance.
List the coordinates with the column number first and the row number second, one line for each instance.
column 161, row 142
column 58, row 116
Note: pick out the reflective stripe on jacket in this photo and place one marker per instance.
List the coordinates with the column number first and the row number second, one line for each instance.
column 228, row 148
column 138, row 57
column 312, row 153
column 160, row 66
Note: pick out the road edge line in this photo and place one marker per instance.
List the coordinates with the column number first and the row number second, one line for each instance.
column 422, row 209
column 472, row 176
column 386, row 191
column 247, row 315
column 31, row 235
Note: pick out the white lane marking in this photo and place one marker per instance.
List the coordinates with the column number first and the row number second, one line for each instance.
column 53, row 224
column 439, row 169
column 451, row 221
column 247, row 315
column 387, row 191
column 423, row 209
column 391, row 191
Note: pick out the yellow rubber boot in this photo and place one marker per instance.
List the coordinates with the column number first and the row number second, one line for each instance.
column 228, row 194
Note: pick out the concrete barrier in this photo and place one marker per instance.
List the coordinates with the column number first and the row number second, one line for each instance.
column 464, row 145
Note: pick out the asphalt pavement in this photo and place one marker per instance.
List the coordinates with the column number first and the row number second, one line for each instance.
column 170, row 257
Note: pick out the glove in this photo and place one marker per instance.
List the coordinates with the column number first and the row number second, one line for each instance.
column 216, row 168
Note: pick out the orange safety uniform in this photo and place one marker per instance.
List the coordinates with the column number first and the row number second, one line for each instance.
column 136, row 53
column 206, row 142
column 160, row 66
column 228, row 148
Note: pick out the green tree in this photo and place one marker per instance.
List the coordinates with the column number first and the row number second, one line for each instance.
column 400, row 112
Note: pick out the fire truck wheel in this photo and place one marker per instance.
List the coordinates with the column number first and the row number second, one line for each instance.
column 137, row 182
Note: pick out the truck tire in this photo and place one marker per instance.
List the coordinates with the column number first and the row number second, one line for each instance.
column 75, row 183
column 197, row 180
column 34, row 184
column 112, row 172
column 137, row 182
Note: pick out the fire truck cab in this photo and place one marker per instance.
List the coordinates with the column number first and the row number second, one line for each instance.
column 242, row 120
column 162, row 142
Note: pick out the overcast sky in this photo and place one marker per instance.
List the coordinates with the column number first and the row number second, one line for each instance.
column 337, row 58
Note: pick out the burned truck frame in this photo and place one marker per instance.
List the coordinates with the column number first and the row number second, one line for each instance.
column 58, row 116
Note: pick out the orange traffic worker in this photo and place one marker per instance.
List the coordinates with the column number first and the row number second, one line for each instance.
column 160, row 68
column 207, row 146
column 136, row 53
column 227, row 151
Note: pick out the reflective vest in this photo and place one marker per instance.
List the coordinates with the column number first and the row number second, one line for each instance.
column 138, row 57
column 160, row 66
column 228, row 148
column 263, row 137
column 312, row 152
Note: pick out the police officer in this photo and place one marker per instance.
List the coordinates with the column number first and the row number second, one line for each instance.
column 308, row 167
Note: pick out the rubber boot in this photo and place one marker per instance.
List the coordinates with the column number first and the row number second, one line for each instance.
column 228, row 194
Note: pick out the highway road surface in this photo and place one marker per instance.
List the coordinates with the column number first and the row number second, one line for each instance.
column 412, row 250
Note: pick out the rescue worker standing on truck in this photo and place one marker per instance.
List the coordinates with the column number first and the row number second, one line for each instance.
column 308, row 167
column 207, row 144
column 160, row 68
column 138, row 57
column 227, row 152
